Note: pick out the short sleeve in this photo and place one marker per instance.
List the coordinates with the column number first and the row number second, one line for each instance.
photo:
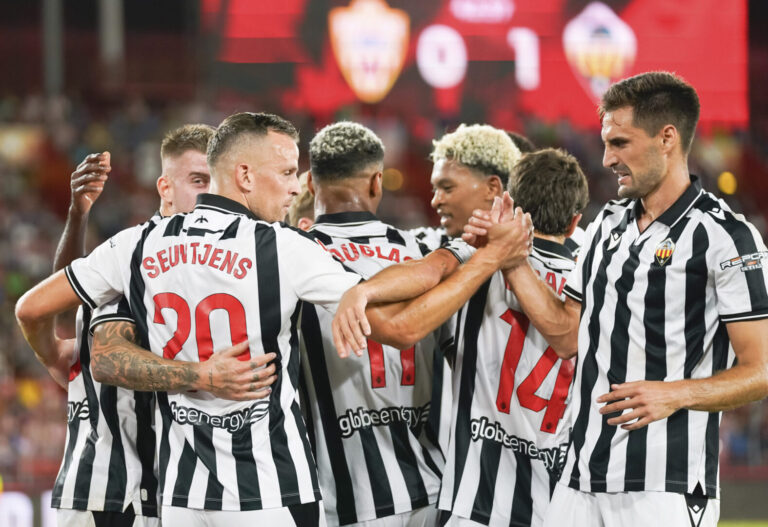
column 739, row 265
column 114, row 310
column 98, row 277
column 316, row 277
column 460, row 249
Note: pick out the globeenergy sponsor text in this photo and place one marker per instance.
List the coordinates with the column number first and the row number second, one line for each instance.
column 553, row 458
column 354, row 420
column 231, row 422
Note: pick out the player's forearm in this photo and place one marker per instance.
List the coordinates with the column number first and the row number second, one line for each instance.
column 72, row 242
column 427, row 312
column 39, row 334
column 734, row 387
column 117, row 360
column 550, row 316
column 410, row 279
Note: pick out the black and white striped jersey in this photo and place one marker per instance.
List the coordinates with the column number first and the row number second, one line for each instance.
column 432, row 237
column 509, row 423
column 375, row 418
column 655, row 305
column 109, row 455
column 199, row 282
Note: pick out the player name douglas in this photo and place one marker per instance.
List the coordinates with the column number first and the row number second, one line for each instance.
column 229, row 262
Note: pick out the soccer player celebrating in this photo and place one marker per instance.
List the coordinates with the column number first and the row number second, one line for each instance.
column 376, row 449
column 107, row 475
column 670, row 288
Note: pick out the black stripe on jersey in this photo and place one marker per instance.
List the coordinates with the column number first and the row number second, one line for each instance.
column 137, row 288
column 321, row 237
column 186, row 470
column 85, row 465
column 203, row 434
column 144, row 403
column 522, row 499
column 490, row 454
column 395, row 237
column 294, row 371
column 589, row 364
column 197, row 231
column 345, row 492
column 617, row 371
column 164, row 453
column 377, row 474
column 409, row 466
column 77, row 288
column 720, row 350
column 231, row 231
column 365, row 240
column 463, row 428
column 175, row 224
column 117, row 481
column 268, row 276
column 432, row 430
column 248, row 488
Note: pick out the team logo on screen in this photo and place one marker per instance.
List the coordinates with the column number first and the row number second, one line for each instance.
column 664, row 251
column 370, row 41
column 600, row 47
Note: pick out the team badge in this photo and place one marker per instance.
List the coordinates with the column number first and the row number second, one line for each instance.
column 370, row 41
column 664, row 251
column 600, row 47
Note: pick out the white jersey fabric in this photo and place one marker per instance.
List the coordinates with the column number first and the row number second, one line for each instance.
column 509, row 421
column 374, row 419
column 200, row 282
column 109, row 454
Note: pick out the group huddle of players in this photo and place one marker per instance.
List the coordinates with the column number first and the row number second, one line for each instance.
column 213, row 349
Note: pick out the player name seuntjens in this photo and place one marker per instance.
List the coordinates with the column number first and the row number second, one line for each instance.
column 229, row 262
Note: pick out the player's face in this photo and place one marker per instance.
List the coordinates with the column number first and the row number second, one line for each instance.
column 631, row 154
column 187, row 176
column 457, row 191
column 276, row 161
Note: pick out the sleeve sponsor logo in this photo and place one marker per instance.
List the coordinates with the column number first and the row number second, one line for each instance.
column 746, row 262
column 232, row 422
column 553, row 458
column 362, row 418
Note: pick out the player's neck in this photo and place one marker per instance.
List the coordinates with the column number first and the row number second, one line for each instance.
column 553, row 238
column 665, row 195
column 333, row 201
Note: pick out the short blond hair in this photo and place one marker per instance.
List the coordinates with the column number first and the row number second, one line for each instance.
column 480, row 147
column 303, row 205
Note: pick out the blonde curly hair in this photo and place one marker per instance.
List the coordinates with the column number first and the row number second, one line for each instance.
column 481, row 147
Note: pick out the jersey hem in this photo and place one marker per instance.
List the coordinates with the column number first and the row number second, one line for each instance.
column 253, row 504
column 751, row 315
column 572, row 293
column 672, row 486
column 372, row 514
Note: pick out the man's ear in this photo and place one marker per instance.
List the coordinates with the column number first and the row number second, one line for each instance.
column 304, row 223
column 495, row 188
column 572, row 227
column 310, row 184
column 244, row 177
column 375, row 186
column 670, row 138
column 164, row 189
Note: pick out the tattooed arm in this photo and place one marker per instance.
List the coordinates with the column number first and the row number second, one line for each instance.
column 116, row 358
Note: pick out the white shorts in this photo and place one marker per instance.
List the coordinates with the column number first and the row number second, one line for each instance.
column 629, row 509
column 424, row 517
column 74, row 518
column 304, row 515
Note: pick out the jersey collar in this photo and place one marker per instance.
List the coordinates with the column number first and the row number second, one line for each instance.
column 678, row 209
column 347, row 217
column 552, row 248
column 214, row 201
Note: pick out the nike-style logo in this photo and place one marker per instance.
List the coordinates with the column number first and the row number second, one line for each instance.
column 201, row 219
column 718, row 213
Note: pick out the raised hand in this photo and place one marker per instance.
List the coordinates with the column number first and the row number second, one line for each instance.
column 87, row 181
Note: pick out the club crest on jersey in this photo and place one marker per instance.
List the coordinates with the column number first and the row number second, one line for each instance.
column 746, row 262
column 664, row 251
